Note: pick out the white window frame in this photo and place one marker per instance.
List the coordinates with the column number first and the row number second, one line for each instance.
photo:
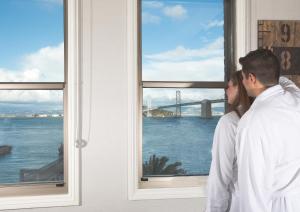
column 49, row 195
column 195, row 186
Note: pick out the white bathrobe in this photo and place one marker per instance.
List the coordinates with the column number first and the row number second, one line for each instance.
column 221, row 187
column 268, row 152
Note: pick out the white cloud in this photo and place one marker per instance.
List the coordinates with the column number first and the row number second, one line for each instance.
column 152, row 4
column 181, row 53
column 176, row 12
column 208, row 69
column 211, row 69
column 45, row 65
column 149, row 18
column 49, row 62
column 215, row 23
column 217, row 44
column 27, row 75
column 183, row 64
column 29, row 96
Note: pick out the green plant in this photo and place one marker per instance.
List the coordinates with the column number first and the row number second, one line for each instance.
column 158, row 166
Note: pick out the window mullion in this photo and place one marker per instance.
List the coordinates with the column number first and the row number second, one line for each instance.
column 182, row 84
column 32, row 86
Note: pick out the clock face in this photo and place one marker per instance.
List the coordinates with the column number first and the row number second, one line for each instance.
column 283, row 38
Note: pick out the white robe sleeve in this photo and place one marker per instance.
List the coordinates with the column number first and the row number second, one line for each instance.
column 289, row 85
column 254, row 168
column 221, row 170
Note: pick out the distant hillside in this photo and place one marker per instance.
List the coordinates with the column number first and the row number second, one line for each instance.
column 158, row 113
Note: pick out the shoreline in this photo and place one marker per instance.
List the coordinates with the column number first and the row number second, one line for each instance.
column 29, row 117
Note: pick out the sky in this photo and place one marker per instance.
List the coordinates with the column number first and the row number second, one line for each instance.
column 31, row 47
column 182, row 41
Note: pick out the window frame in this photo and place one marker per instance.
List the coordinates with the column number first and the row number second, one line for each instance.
column 163, row 187
column 52, row 194
column 177, row 181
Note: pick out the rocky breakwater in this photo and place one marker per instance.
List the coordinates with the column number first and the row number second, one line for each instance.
column 5, row 149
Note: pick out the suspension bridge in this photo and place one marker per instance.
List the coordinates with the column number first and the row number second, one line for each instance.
column 206, row 106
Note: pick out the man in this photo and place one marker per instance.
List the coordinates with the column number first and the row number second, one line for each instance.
column 268, row 139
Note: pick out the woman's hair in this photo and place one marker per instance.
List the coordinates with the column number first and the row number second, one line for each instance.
column 242, row 101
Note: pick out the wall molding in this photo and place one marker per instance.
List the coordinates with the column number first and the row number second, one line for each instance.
column 243, row 29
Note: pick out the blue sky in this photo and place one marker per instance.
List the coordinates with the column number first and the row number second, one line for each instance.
column 31, row 47
column 27, row 26
column 182, row 40
column 188, row 26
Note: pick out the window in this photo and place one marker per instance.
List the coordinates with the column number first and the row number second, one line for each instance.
column 182, row 75
column 37, row 102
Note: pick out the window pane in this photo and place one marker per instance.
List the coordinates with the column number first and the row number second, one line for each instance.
column 178, row 127
column 182, row 40
column 31, row 136
column 31, row 41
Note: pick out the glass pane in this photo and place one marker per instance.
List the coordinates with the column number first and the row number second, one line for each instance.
column 31, row 136
column 178, row 127
column 182, row 40
column 32, row 41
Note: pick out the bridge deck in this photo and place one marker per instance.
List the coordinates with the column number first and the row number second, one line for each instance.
column 191, row 103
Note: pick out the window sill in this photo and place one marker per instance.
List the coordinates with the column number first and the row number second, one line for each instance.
column 168, row 193
column 38, row 201
column 169, row 188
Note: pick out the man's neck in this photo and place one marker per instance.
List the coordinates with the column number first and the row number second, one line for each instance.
column 259, row 90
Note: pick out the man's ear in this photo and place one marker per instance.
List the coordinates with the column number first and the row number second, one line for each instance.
column 252, row 78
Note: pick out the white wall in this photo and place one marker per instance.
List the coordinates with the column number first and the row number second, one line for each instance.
column 272, row 10
column 104, row 160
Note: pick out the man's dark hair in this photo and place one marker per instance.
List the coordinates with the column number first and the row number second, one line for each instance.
column 263, row 64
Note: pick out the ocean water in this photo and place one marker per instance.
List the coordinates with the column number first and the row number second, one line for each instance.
column 186, row 139
column 34, row 141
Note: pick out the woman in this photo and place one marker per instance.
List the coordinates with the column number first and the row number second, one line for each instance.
column 223, row 171
column 222, row 182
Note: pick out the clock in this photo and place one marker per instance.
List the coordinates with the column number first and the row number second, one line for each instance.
column 283, row 39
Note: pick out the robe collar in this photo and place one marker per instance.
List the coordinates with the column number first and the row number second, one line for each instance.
column 266, row 94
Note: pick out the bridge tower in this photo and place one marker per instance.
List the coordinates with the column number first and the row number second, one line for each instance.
column 206, row 109
column 178, row 104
